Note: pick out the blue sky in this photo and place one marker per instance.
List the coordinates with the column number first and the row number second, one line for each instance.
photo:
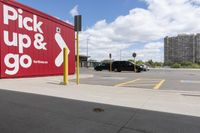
column 111, row 26
column 91, row 10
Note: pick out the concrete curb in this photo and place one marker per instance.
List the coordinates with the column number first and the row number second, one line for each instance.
column 175, row 69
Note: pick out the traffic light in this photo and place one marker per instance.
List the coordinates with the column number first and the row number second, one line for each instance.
column 78, row 23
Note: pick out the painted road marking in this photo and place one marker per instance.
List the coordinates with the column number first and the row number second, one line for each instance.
column 113, row 78
column 124, row 83
column 143, row 84
column 157, row 86
column 139, row 83
column 190, row 81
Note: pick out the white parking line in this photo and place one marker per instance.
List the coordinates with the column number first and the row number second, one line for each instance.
column 190, row 81
column 113, row 78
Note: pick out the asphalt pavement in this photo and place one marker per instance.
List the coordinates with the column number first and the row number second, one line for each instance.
column 162, row 79
column 31, row 113
column 104, row 102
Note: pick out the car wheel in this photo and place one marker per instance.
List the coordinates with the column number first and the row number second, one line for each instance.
column 118, row 70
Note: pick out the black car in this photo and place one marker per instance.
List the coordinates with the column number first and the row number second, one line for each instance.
column 102, row 66
column 119, row 66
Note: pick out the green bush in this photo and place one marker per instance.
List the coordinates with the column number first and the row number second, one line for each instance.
column 195, row 66
column 176, row 65
column 158, row 64
column 139, row 62
column 189, row 65
column 186, row 64
column 169, row 63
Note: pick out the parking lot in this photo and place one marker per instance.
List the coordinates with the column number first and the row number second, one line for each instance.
column 111, row 102
column 158, row 79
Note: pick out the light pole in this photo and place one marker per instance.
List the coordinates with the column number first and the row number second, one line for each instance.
column 88, row 38
column 120, row 55
column 77, row 28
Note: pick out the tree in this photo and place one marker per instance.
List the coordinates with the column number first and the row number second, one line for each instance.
column 139, row 62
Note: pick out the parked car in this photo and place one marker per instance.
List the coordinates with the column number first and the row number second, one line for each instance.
column 144, row 67
column 119, row 66
column 102, row 66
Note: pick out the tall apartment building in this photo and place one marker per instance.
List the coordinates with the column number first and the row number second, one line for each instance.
column 182, row 48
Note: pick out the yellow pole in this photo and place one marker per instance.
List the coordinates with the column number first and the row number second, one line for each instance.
column 77, row 60
column 66, row 79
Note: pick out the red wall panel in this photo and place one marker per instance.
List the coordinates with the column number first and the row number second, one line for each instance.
column 42, row 39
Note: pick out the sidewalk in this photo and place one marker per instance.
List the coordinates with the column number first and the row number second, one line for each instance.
column 185, row 103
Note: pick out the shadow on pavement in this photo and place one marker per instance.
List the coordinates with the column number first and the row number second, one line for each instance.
column 30, row 113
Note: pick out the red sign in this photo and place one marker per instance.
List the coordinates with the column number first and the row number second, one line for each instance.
column 32, row 42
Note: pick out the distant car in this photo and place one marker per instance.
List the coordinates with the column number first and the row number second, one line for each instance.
column 144, row 67
column 119, row 66
column 102, row 66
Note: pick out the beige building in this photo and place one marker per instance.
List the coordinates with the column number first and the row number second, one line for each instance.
column 182, row 48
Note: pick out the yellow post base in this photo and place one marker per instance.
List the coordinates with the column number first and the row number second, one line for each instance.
column 65, row 75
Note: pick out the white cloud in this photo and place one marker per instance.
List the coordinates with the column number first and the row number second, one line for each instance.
column 142, row 26
column 69, row 22
column 151, row 50
column 74, row 11
column 154, row 45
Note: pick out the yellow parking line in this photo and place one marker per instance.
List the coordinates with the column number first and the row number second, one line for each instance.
column 157, row 86
column 136, row 84
column 150, row 79
column 124, row 83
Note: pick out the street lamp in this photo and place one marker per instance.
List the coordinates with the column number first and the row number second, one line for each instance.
column 120, row 54
column 88, row 38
